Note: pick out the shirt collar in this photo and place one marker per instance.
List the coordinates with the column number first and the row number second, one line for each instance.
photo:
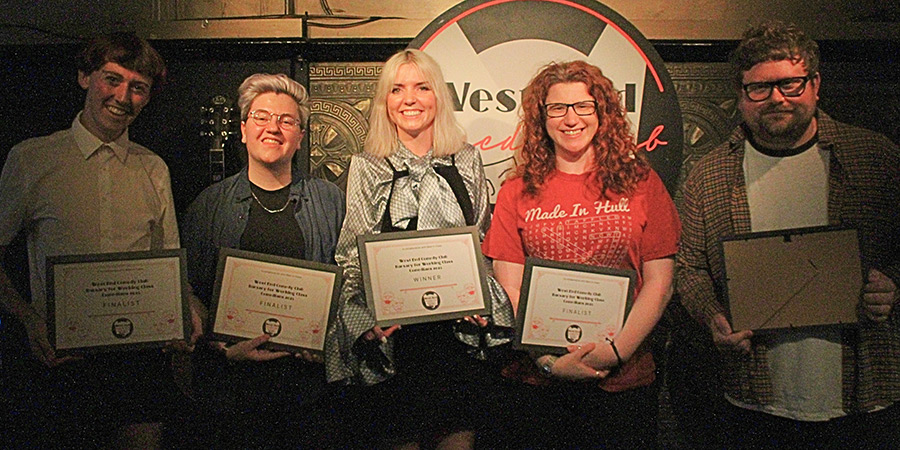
column 403, row 154
column 88, row 144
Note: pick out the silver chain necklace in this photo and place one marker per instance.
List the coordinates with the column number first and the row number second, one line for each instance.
column 270, row 211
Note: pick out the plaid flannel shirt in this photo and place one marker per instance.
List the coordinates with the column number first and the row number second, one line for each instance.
column 863, row 193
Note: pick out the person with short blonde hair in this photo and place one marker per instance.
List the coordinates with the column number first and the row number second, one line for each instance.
column 265, row 398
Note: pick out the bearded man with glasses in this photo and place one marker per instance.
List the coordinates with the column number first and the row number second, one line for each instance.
column 789, row 165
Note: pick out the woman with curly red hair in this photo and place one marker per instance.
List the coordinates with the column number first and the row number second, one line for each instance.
column 583, row 193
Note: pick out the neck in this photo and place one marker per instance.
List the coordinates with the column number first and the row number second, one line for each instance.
column 418, row 144
column 575, row 165
column 269, row 178
column 106, row 138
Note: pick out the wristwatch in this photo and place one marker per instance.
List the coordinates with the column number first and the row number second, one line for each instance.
column 547, row 365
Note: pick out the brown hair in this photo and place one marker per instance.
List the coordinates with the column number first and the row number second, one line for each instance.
column 125, row 49
column 774, row 41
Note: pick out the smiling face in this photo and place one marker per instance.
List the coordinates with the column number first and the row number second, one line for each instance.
column 271, row 145
column 411, row 103
column 780, row 122
column 572, row 134
column 115, row 97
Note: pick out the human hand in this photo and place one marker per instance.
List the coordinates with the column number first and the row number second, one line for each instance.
column 879, row 296
column 198, row 312
column 476, row 320
column 571, row 366
column 377, row 333
column 727, row 340
column 308, row 356
column 249, row 350
column 40, row 346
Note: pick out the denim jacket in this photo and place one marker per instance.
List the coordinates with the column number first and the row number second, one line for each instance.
column 218, row 216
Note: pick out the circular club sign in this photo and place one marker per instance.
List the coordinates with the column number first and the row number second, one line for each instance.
column 489, row 50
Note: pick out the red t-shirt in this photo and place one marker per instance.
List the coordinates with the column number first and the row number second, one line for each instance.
column 570, row 220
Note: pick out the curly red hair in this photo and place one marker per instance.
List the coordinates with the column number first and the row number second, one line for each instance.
column 617, row 164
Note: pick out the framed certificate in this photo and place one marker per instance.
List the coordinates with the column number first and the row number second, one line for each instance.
column 565, row 303
column 291, row 300
column 424, row 276
column 793, row 278
column 116, row 301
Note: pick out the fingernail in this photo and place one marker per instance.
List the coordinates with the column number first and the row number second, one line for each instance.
column 383, row 339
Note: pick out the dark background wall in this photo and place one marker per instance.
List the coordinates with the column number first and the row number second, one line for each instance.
column 41, row 94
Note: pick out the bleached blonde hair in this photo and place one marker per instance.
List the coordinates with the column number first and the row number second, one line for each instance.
column 449, row 136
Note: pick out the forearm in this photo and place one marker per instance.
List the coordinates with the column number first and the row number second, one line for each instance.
column 509, row 275
column 645, row 313
column 11, row 301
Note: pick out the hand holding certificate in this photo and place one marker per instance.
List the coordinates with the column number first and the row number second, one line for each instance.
column 564, row 303
column 116, row 301
column 424, row 276
column 290, row 300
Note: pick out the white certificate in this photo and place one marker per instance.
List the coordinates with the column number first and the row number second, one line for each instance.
column 424, row 276
column 564, row 303
column 116, row 301
column 291, row 300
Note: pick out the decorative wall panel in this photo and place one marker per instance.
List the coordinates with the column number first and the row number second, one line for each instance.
column 340, row 95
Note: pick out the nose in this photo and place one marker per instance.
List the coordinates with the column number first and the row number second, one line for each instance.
column 570, row 116
column 777, row 96
column 122, row 94
column 272, row 126
column 409, row 97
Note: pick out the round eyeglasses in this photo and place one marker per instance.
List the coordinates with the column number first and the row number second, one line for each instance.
column 789, row 87
column 584, row 108
column 285, row 121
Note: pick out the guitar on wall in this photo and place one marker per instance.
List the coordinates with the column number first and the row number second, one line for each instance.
column 218, row 124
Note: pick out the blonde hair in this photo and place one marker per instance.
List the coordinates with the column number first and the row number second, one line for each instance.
column 449, row 136
column 262, row 83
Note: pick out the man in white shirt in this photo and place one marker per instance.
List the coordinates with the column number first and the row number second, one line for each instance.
column 89, row 189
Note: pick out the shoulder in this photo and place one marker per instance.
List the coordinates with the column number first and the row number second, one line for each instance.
column 323, row 189
column 717, row 161
column 855, row 141
column 213, row 194
column 37, row 145
column 511, row 189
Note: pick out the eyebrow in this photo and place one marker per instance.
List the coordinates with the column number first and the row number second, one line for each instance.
column 121, row 77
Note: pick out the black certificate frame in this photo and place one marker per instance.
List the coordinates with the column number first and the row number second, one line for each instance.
column 273, row 344
column 58, row 262
column 483, row 290
column 525, row 300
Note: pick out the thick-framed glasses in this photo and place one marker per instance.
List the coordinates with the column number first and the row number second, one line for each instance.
column 285, row 121
column 584, row 108
column 789, row 87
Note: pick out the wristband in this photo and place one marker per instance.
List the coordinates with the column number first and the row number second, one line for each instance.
column 547, row 366
column 612, row 344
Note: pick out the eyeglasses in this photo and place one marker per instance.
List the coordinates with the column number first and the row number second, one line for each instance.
column 789, row 87
column 584, row 108
column 286, row 122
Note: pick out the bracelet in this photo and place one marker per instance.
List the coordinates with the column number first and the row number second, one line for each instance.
column 612, row 344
